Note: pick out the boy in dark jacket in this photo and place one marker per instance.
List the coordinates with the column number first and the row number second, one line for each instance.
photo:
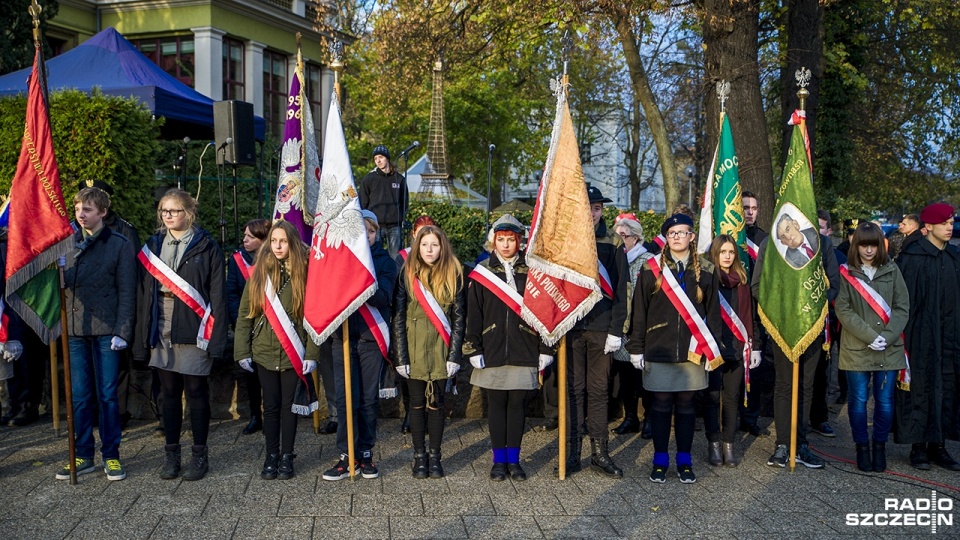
column 383, row 191
column 101, row 300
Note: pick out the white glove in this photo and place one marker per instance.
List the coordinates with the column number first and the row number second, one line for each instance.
column 637, row 360
column 544, row 361
column 613, row 343
column 308, row 366
column 404, row 371
column 477, row 362
column 62, row 261
column 118, row 343
column 247, row 364
column 452, row 369
column 878, row 344
column 12, row 350
column 755, row 358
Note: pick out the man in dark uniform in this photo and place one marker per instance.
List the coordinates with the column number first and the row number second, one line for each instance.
column 762, row 376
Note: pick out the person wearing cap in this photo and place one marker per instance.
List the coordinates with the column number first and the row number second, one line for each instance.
column 629, row 229
column 590, row 346
column 366, row 364
column 927, row 414
column 790, row 234
column 383, row 191
column 659, row 341
column 505, row 352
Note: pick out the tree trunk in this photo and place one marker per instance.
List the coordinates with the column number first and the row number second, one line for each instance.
column 644, row 94
column 730, row 34
column 804, row 50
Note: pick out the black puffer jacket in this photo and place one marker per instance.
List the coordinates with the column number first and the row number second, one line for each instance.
column 610, row 313
column 415, row 342
column 496, row 331
column 101, row 278
column 202, row 267
column 658, row 331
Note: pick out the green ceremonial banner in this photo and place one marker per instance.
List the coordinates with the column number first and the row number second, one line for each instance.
column 793, row 284
column 723, row 207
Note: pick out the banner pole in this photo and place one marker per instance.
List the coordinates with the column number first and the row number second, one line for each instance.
column 316, row 413
column 67, row 380
column 562, row 405
column 793, row 415
column 54, row 388
column 348, row 392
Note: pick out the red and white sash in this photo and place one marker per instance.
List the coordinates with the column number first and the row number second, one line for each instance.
column 660, row 240
column 752, row 250
column 606, row 285
column 378, row 327
column 405, row 253
column 739, row 331
column 701, row 340
column 283, row 327
column 434, row 311
column 882, row 309
column 245, row 269
column 507, row 294
column 182, row 290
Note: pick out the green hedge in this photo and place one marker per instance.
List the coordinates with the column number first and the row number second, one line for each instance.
column 466, row 227
column 95, row 137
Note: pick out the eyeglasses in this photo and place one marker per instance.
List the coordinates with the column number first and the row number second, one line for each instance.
column 678, row 234
column 171, row 213
column 627, row 235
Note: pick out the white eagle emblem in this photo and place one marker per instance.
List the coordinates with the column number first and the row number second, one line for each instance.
column 333, row 220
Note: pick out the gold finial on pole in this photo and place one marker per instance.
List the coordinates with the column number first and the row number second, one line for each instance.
column 723, row 93
column 35, row 9
column 803, row 79
column 336, row 53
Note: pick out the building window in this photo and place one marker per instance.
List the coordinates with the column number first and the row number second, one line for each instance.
column 315, row 97
column 233, row 69
column 275, row 91
column 586, row 153
column 173, row 54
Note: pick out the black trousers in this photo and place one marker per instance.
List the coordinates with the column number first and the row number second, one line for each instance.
column 426, row 416
column 819, row 413
column 630, row 392
column 723, row 398
column 551, row 396
column 325, row 370
column 506, row 414
column 173, row 386
column 783, row 391
column 588, row 370
column 254, row 391
column 279, row 420
column 29, row 373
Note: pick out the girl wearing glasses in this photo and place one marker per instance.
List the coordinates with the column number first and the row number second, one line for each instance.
column 181, row 323
column 675, row 309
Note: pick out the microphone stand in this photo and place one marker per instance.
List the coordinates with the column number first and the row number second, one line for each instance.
column 260, row 187
column 223, row 223
column 236, row 216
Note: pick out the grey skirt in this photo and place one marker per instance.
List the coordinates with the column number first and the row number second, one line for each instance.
column 506, row 378
column 668, row 377
column 183, row 359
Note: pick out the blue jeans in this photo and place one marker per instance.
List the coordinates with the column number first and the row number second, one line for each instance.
column 393, row 238
column 366, row 362
column 93, row 363
column 858, row 383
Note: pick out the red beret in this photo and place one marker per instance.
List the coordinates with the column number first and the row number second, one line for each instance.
column 936, row 213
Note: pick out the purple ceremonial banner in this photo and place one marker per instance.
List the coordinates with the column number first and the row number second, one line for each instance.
column 299, row 164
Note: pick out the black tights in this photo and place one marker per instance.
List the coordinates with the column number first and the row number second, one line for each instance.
column 173, row 385
column 426, row 417
column 506, row 416
column 279, row 420
column 680, row 406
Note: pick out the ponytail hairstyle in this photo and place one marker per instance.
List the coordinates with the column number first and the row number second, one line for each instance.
column 445, row 277
column 267, row 265
column 714, row 256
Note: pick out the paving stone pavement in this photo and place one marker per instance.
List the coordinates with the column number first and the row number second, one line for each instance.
column 750, row 501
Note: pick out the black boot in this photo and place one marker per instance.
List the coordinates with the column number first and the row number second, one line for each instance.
column 879, row 456
column 939, row 455
column 630, row 424
column 600, row 460
column 436, row 469
column 269, row 471
column 864, row 462
column 285, row 470
column 253, row 426
column 199, row 464
column 171, row 462
column 420, row 465
column 647, row 432
column 714, row 455
column 573, row 465
column 918, row 457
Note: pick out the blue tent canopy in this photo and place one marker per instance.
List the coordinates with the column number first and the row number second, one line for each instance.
column 113, row 64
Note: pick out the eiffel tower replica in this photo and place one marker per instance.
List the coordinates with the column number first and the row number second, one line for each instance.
column 436, row 181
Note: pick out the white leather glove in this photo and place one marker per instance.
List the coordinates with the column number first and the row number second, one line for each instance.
column 477, row 362
column 247, row 364
column 404, row 371
column 118, row 343
column 637, row 360
column 452, row 369
column 544, row 361
column 12, row 350
column 308, row 366
column 613, row 343
column 878, row 344
column 755, row 358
